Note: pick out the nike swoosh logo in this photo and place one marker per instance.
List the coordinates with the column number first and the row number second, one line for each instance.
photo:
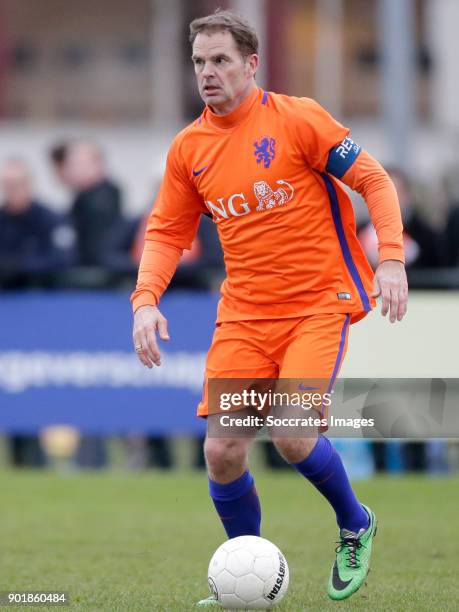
column 200, row 171
column 301, row 387
column 339, row 584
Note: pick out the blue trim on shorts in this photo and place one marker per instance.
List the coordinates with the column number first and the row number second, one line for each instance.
column 339, row 356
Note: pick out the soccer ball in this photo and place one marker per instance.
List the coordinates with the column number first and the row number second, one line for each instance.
column 248, row 573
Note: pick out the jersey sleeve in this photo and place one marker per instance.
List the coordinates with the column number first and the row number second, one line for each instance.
column 368, row 177
column 176, row 212
column 171, row 227
column 157, row 266
column 318, row 133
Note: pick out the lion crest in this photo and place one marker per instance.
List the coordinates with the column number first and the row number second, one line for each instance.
column 265, row 150
column 267, row 198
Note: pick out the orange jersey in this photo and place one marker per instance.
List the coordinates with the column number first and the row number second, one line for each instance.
column 266, row 175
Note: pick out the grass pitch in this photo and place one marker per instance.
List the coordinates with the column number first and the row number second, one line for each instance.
column 142, row 542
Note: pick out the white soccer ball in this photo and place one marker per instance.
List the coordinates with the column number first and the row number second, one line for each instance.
column 248, row 573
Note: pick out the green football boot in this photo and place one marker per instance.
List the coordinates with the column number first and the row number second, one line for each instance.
column 352, row 560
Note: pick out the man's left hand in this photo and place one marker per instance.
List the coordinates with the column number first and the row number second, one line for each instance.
column 390, row 283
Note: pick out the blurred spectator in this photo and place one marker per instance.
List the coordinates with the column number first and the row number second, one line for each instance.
column 423, row 245
column 104, row 236
column 26, row 451
column 148, row 452
column 91, row 452
column 452, row 236
column 104, row 239
column 34, row 241
column 396, row 456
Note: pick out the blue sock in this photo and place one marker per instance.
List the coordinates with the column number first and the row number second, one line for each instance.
column 237, row 505
column 324, row 469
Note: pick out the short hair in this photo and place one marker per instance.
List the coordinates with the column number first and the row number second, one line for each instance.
column 244, row 35
column 58, row 153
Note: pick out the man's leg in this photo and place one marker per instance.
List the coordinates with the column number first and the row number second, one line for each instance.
column 322, row 466
column 316, row 459
column 231, row 485
column 237, row 352
column 316, row 352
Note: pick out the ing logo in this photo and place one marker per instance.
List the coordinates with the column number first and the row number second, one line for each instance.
column 237, row 205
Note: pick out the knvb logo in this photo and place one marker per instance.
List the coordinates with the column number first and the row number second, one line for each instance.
column 237, row 206
column 265, row 150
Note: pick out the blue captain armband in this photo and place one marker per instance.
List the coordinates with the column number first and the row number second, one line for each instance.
column 341, row 158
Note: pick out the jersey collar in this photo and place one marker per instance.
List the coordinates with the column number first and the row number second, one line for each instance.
column 238, row 114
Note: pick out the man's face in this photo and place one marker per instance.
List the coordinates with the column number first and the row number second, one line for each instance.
column 224, row 76
column 82, row 167
column 16, row 186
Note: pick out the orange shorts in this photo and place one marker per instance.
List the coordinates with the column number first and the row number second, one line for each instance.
column 311, row 347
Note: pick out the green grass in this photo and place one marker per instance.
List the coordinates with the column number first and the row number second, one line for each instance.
column 142, row 542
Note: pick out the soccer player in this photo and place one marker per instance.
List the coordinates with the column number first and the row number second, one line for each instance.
column 268, row 168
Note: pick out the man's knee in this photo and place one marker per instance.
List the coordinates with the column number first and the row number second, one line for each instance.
column 295, row 450
column 225, row 457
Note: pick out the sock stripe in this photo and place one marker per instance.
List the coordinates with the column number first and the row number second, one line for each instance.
column 319, row 482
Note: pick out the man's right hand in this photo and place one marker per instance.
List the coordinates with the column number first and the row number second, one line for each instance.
column 147, row 321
